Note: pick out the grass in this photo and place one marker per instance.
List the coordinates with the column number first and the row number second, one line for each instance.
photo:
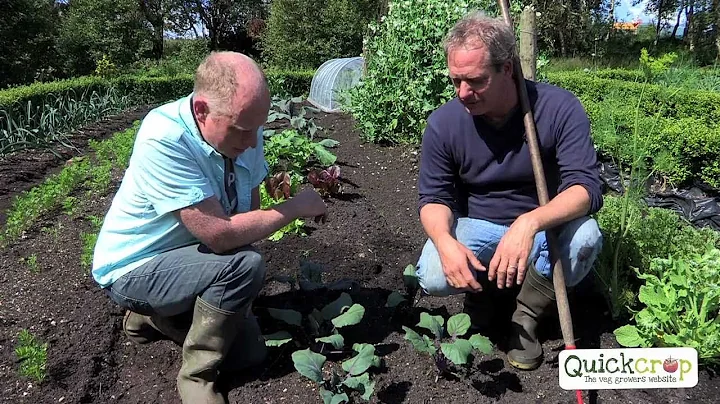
column 32, row 355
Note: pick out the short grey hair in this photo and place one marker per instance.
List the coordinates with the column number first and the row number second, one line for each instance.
column 475, row 29
column 217, row 80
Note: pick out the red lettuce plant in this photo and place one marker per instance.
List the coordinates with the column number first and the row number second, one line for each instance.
column 326, row 181
column 278, row 186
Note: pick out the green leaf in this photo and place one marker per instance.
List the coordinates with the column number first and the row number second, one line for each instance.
column 457, row 351
column 394, row 299
column 351, row 317
column 336, row 307
column 458, row 325
column 330, row 143
column 314, row 319
column 360, row 362
column 291, row 317
column 652, row 297
column 628, row 336
column 309, row 364
column 336, row 340
column 420, row 344
column 325, row 157
column 432, row 323
column 277, row 338
column 410, row 278
column 361, row 383
column 482, row 344
column 331, row 398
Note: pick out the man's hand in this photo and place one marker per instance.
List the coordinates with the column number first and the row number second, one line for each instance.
column 308, row 203
column 454, row 258
column 512, row 253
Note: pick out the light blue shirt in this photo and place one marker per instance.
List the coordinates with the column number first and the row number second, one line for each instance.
column 171, row 167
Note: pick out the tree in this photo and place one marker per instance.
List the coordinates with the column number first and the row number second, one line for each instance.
column 27, row 30
column 93, row 28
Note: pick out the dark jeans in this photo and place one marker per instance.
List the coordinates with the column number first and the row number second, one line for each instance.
column 169, row 284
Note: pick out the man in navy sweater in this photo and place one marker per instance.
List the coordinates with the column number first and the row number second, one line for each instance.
column 477, row 196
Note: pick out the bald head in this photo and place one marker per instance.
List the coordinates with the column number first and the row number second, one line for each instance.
column 231, row 82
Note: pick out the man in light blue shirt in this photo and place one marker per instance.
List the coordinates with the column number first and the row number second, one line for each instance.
column 175, row 248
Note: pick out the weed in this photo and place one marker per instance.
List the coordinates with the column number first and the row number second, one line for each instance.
column 32, row 356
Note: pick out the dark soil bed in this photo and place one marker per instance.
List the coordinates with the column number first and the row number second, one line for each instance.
column 22, row 170
column 372, row 233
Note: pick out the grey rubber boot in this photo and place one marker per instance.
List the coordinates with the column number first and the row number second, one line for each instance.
column 207, row 344
column 536, row 298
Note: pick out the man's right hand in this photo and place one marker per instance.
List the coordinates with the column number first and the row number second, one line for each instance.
column 308, row 203
column 458, row 263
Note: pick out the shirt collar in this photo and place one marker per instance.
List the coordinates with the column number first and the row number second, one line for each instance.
column 189, row 120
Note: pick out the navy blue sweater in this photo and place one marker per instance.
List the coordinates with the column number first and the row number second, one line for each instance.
column 486, row 173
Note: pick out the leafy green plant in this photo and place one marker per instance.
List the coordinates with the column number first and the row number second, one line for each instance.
column 31, row 262
column 52, row 193
column 456, row 350
column 290, row 109
column 682, row 304
column 320, row 333
column 653, row 67
column 290, row 151
column 322, row 327
column 105, row 67
column 32, row 355
column 40, row 126
column 89, row 239
column 335, row 388
column 271, row 195
column 412, row 286
column 406, row 73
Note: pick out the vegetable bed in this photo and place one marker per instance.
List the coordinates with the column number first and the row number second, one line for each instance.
column 372, row 235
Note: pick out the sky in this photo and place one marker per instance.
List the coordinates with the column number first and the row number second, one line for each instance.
column 625, row 11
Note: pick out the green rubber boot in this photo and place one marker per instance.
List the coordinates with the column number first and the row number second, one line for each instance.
column 206, row 345
column 536, row 298
column 143, row 329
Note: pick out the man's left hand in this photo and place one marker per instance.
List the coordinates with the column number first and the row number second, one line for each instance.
column 512, row 253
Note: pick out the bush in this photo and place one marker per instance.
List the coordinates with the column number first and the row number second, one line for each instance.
column 304, row 34
column 658, row 100
column 650, row 233
column 683, row 150
column 407, row 74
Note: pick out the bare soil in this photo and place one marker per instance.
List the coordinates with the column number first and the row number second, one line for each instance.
column 372, row 233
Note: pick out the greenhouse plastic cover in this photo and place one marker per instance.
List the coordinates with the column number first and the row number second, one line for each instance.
column 332, row 77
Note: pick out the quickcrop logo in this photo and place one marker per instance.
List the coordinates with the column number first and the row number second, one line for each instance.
column 628, row 368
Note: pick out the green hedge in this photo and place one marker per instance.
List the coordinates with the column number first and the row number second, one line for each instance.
column 657, row 100
column 142, row 89
column 677, row 136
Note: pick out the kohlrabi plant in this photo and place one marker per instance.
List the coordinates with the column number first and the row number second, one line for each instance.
column 412, row 286
column 450, row 350
column 319, row 332
column 320, row 329
column 338, row 386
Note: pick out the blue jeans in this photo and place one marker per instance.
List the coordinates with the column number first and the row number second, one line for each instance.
column 580, row 242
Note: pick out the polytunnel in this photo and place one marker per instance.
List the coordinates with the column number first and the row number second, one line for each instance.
column 331, row 79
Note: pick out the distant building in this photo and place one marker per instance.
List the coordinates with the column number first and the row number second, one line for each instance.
column 627, row 26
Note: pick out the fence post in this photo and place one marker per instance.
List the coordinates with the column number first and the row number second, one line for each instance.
column 528, row 43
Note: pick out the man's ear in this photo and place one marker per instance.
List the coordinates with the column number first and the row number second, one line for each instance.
column 507, row 68
column 201, row 109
